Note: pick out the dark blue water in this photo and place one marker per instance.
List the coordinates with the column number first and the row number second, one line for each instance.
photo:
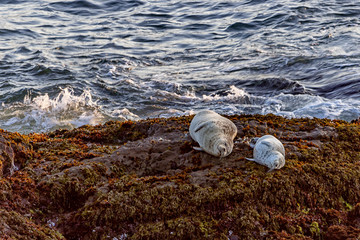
column 68, row 63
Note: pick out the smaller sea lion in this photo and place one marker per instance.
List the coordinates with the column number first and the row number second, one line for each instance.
column 214, row 133
column 268, row 151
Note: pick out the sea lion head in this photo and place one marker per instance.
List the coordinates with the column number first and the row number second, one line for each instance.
column 223, row 147
column 276, row 160
column 253, row 141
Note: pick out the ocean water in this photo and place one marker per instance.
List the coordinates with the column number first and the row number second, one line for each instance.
column 64, row 64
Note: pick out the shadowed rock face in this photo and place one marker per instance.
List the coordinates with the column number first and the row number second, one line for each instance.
column 144, row 180
column 7, row 157
column 13, row 146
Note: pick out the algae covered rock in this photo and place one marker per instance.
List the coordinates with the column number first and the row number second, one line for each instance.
column 13, row 146
column 16, row 226
column 7, row 154
column 143, row 180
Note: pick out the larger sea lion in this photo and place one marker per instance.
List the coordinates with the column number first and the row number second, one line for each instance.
column 268, row 151
column 214, row 133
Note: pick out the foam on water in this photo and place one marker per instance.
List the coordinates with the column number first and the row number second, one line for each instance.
column 65, row 101
column 66, row 110
column 42, row 113
column 174, row 97
column 235, row 100
column 312, row 106
column 296, row 59
column 234, row 94
column 335, row 109
column 125, row 114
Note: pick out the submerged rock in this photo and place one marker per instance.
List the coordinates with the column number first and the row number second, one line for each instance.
column 135, row 180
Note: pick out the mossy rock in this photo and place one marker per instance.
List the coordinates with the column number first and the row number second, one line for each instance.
column 16, row 226
column 143, row 180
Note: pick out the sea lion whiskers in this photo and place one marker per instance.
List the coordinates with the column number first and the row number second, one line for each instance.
column 224, row 147
column 222, row 150
column 277, row 159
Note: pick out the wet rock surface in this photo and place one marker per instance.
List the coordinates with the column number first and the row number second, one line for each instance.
column 144, row 180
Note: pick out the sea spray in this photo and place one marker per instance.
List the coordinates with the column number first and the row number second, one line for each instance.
column 43, row 113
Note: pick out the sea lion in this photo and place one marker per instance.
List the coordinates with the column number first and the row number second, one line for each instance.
column 214, row 133
column 268, row 151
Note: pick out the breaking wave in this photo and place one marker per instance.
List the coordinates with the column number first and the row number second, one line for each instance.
column 65, row 110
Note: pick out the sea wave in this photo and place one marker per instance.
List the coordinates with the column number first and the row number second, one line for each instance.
column 68, row 63
column 68, row 110
column 65, row 110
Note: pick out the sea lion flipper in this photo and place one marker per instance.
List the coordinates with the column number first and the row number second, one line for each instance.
column 198, row 148
column 202, row 125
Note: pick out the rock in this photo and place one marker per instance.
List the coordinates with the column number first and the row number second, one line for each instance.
column 338, row 232
column 16, row 226
column 143, row 179
column 7, row 166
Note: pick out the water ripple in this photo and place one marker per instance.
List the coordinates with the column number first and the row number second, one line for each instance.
column 155, row 58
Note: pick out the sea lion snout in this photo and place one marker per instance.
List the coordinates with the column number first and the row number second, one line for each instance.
column 224, row 148
column 221, row 151
column 277, row 160
column 253, row 142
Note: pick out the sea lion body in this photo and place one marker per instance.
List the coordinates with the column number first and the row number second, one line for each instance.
column 269, row 151
column 214, row 133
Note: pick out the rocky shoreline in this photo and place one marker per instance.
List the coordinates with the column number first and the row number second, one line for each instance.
column 143, row 180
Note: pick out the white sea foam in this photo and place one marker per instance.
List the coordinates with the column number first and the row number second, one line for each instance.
column 42, row 113
column 238, row 101
column 176, row 91
column 235, row 100
column 125, row 114
column 234, row 94
column 68, row 110
column 66, row 100
column 162, row 95
column 336, row 109
column 312, row 106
